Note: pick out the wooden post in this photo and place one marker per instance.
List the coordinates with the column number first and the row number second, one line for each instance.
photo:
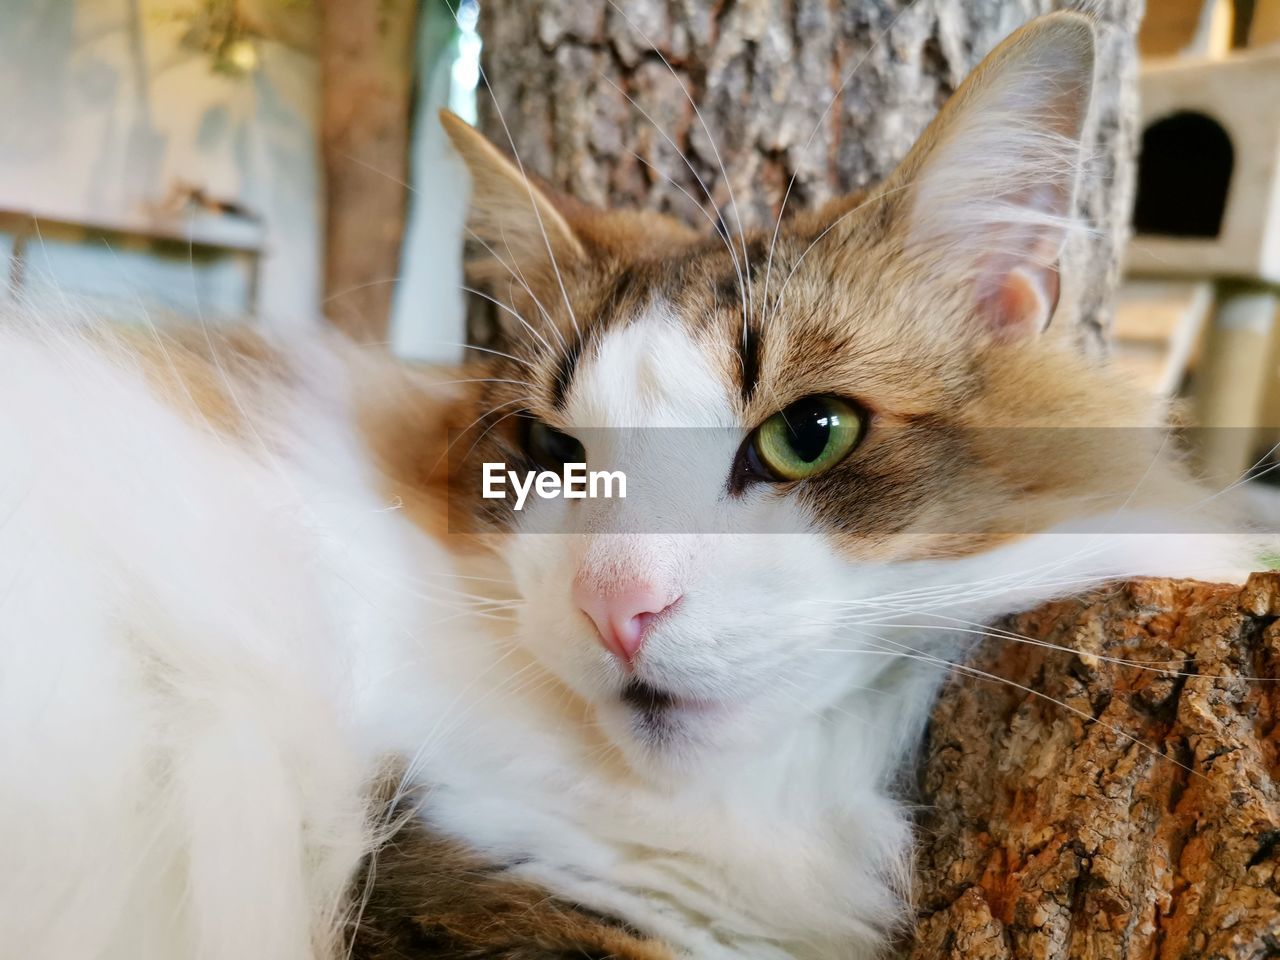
column 366, row 61
column 1233, row 379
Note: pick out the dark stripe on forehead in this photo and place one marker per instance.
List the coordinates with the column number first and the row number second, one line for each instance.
column 748, row 342
column 617, row 302
column 620, row 290
column 729, row 288
column 757, row 258
column 564, row 371
column 745, row 267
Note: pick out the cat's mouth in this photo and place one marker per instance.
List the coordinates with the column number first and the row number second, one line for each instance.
column 655, row 708
column 660, row 729
column 648, row 701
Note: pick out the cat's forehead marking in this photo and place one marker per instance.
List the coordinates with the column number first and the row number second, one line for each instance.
column 654, row 371
column 749, row 353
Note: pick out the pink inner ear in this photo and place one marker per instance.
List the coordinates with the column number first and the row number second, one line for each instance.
column 1021, row 303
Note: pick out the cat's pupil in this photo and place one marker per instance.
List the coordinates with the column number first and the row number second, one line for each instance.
column 562, row 447
column 809, row 424
column 551, row 448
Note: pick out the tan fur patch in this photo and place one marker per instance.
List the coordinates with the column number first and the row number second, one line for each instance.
column 215, row 378
column 429, row 898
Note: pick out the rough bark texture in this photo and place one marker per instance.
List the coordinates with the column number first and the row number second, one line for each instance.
column 366, row 61
column 1103, row 810
column 828, row 93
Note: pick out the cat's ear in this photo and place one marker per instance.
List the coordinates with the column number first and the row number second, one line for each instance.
column 987, row 192
column 514, row 226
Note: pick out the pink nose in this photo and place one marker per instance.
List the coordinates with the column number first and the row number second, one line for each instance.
column 622, row 613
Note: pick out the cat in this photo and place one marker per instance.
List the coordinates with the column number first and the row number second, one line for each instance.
column 248, row 579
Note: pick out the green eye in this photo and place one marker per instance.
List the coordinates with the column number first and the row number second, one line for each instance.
column 807, row 438
column 550, row 448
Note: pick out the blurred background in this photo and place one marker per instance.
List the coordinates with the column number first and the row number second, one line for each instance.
column 170, row 156
column 279, row 161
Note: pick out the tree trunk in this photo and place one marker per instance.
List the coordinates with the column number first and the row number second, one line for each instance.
column 366, row 63
column 1136, row 818
column 828, row 95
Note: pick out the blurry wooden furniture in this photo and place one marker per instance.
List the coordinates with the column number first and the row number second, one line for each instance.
column 1157, row 331
column 1174, row 28
column 1265, row 26
column 192, row 239
column 1207, row 219
column 1209, row 174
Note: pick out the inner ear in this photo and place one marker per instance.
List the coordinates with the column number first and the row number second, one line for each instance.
column 988, row 191
column 1020, row 301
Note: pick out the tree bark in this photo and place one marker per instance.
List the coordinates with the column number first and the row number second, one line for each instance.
column 366, row 62
column 1111, row 809
column 808, row 96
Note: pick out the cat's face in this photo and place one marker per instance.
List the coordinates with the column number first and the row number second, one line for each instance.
column 802, row 423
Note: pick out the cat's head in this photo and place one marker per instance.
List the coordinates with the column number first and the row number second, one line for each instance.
column 803, row 419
